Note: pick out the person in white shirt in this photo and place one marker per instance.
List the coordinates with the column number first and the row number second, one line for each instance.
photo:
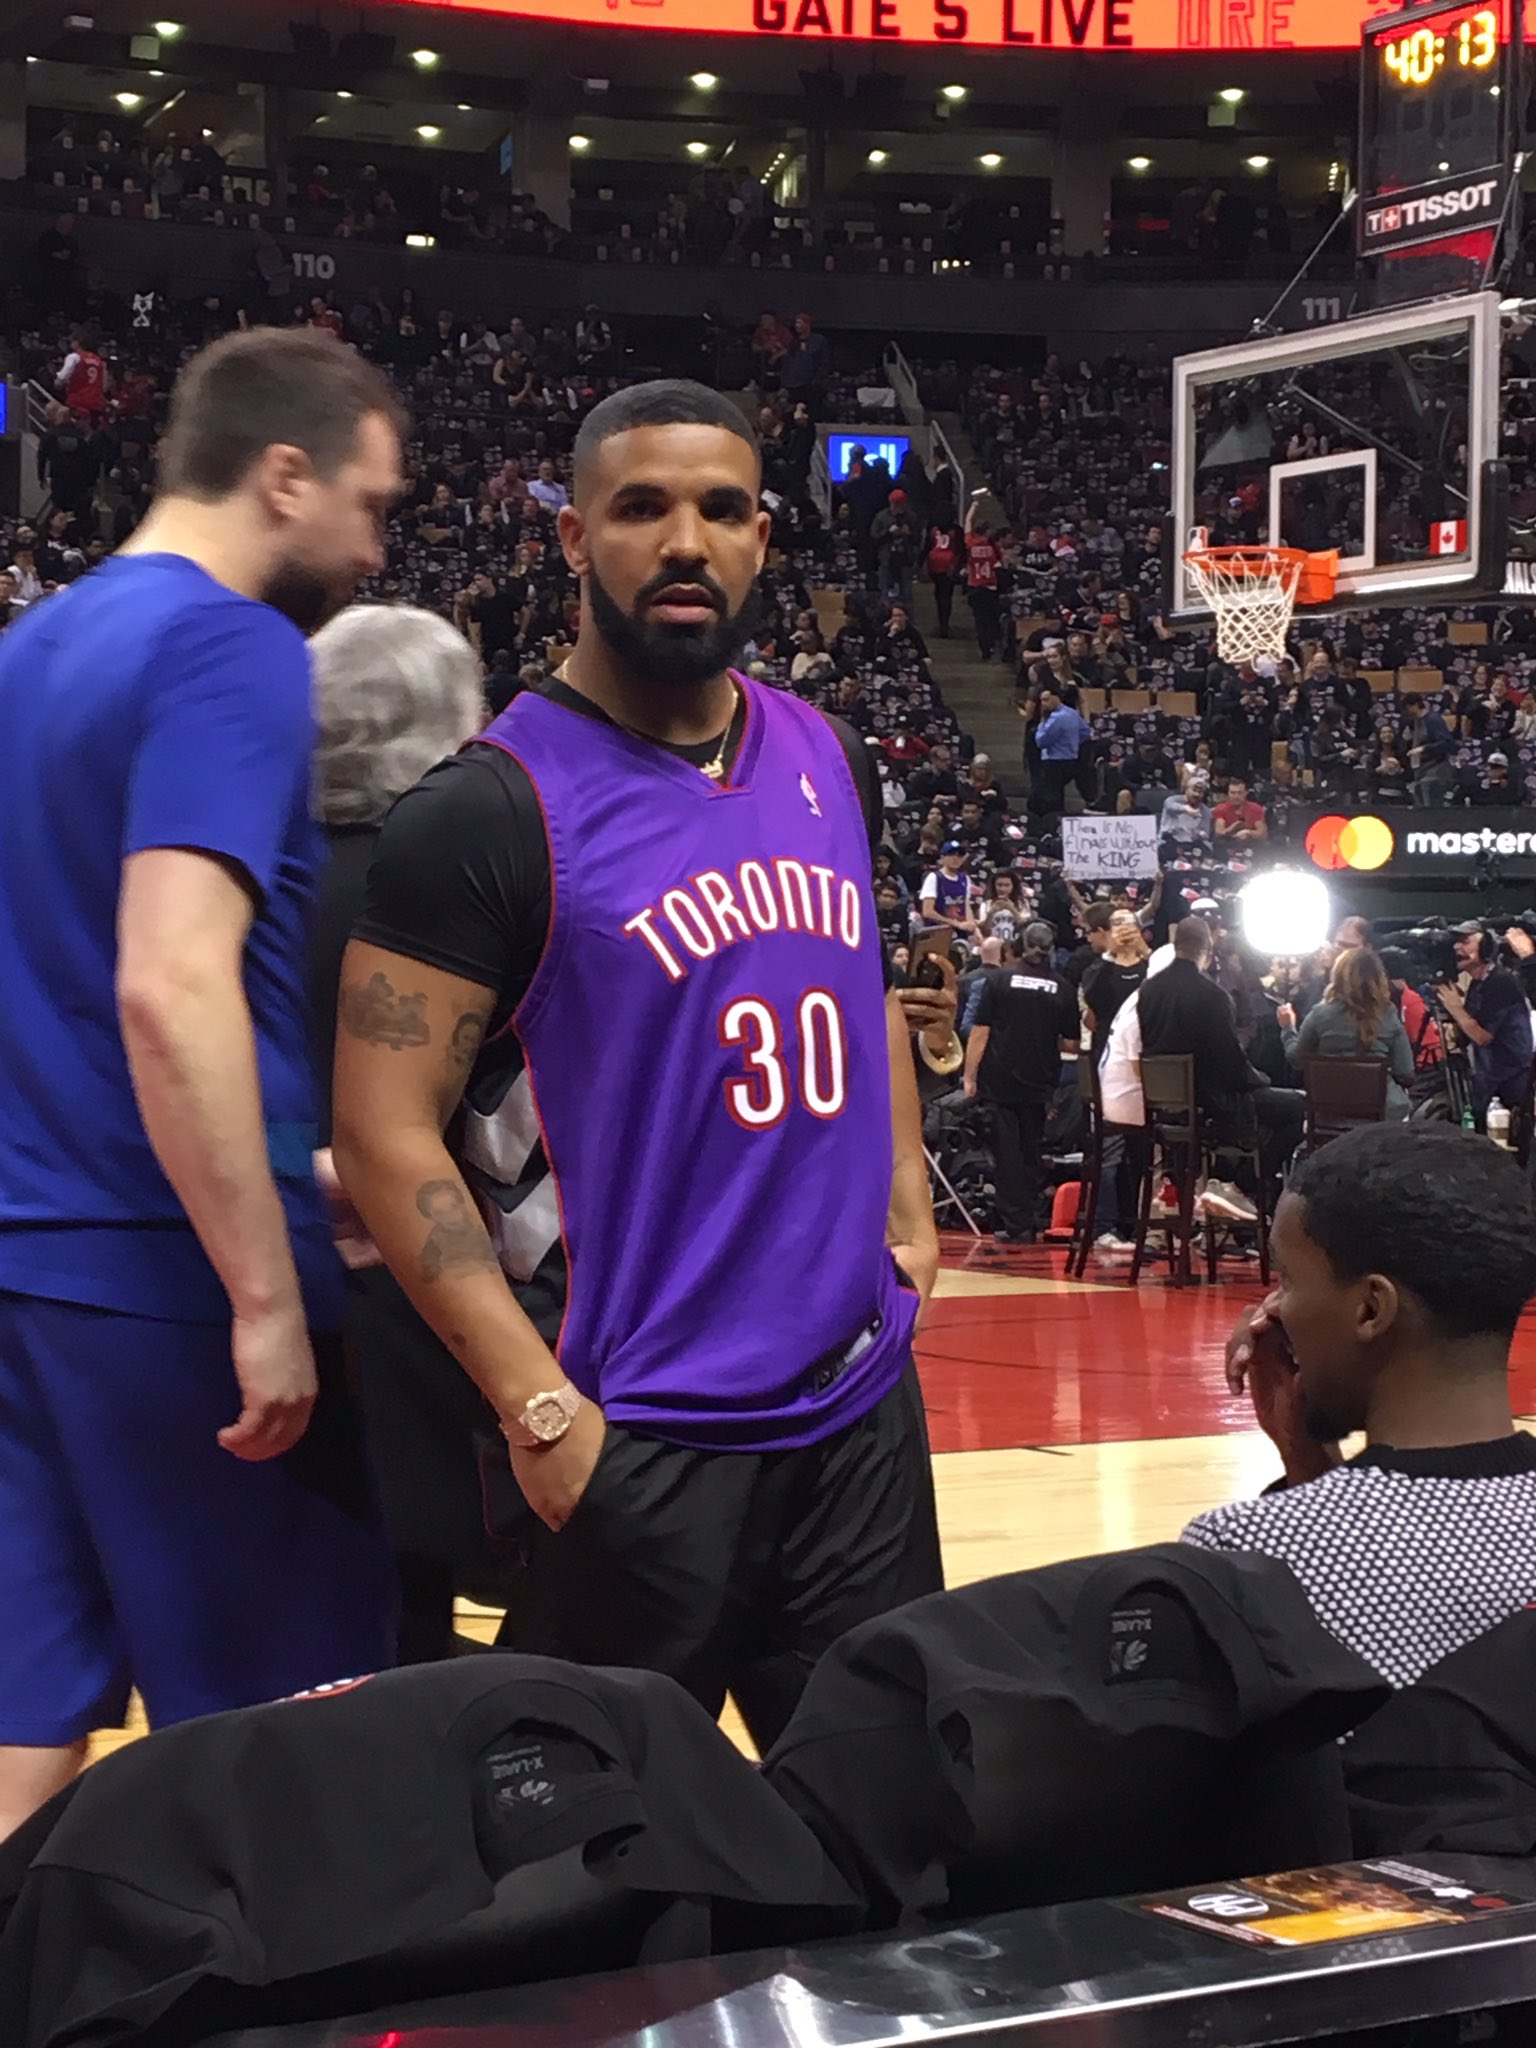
column 1125, row 1117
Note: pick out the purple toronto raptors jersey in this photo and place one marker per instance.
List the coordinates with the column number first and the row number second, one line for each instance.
column 705, row 1054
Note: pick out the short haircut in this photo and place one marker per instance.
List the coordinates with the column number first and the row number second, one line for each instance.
column 1096, row 917
column 1191, row 938
column 246, row 392
column 662, row 402
column 396, row 689
column 1448, row 1217
column 1039, row 940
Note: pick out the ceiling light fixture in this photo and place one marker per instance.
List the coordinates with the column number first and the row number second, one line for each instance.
column 578, row 142
column 990, row 161
column 1232, row 95
column 343, row 95
column 1257, row 163
column 128, row 100
column 465, row 107
column 425, row 60
column 953, row 93
column 697, row 148
column 703, row 81
column 878, row 156
column 1138, row 163
column 167, row 31
column 427, row 132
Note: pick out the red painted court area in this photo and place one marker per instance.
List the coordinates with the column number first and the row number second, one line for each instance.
column 1108, row 1364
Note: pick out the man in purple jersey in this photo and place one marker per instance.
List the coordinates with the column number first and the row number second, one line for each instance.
column 622, row 951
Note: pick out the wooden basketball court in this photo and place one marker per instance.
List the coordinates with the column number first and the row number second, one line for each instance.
column 1071, row 1417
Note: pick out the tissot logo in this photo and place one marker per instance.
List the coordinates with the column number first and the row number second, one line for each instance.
column 1413, row 213
column 1359, row 843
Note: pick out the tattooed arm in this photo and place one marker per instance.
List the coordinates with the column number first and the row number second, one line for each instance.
column 406, row 1040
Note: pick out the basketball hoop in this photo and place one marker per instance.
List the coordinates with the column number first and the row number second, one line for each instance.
column 1253, row 591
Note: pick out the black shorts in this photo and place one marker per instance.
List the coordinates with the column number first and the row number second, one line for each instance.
column 732, row 1571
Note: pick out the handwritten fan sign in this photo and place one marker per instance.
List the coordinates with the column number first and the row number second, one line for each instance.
column 1109, row 849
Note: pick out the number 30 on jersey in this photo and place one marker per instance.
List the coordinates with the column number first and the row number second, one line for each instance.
column 810, row 1060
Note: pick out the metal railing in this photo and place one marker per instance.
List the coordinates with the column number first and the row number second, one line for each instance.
column 899, row 375
column 821, row 483
column 944, row 451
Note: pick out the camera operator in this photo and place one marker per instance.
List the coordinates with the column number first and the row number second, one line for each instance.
column 1493, row 1016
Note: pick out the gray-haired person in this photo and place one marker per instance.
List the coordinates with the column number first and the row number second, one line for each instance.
column 396, row 690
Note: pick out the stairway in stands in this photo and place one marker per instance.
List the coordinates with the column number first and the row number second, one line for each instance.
column 980, row 693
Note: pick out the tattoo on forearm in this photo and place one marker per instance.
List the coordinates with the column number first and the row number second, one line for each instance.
column 457, row 1241
column 375, row 1011
column 464, row 1045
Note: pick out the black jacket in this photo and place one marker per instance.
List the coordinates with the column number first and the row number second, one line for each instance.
column 1110, row 1724
column 1183, row 1011
column 490, row 1820
column 1449, row 1763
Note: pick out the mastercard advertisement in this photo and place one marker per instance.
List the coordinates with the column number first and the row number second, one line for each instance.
column 1462, row 843
column 1242, row 26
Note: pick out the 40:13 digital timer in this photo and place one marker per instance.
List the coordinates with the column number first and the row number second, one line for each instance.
column 1462, row 39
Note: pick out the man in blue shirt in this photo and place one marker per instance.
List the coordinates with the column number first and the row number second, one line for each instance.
column 167, row 1283
column 1061, row 736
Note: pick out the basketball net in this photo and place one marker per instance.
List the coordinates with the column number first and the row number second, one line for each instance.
column 1253, row 590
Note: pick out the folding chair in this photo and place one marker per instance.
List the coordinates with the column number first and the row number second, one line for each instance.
column 1344, row 1090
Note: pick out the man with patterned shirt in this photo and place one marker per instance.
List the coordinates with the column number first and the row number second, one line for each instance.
column 1404, row 1256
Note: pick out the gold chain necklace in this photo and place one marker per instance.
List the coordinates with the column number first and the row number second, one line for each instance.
column 714, row 768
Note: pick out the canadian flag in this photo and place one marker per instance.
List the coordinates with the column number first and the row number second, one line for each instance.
column 1448, row 537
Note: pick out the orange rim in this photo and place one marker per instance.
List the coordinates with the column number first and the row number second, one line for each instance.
column 1315, row 574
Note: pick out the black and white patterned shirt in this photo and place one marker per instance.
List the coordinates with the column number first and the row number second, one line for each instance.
column 1406, row 1556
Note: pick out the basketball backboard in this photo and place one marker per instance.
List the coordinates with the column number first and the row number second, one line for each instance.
column 1377, row 436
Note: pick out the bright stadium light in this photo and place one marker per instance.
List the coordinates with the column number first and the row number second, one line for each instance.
column 953, row 93
column 428, row 132
column 167, row 31
column 579, row 143
column 425, row 60
column 1232, row 95
column 697, row 148
column 878, row 157
column 1284, row 915
column 1138, row 163
column 703, row 81
column 989, row 161
column 1257, row 163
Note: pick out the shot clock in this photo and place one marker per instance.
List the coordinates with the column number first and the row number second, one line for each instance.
column 1439, row 111
column 1459, row 39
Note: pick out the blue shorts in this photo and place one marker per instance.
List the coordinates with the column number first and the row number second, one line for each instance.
column 134, row 1551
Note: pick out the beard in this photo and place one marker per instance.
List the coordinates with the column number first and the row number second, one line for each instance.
column 675, row 656
column 304, row 597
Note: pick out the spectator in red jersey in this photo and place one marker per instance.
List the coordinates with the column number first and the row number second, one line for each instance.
column 942, row 556
column 82, row 379
column 983, row 564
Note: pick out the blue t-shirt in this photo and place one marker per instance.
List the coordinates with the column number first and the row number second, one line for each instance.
column 146, row 706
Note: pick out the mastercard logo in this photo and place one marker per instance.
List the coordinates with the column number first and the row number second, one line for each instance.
column 1360, row 843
